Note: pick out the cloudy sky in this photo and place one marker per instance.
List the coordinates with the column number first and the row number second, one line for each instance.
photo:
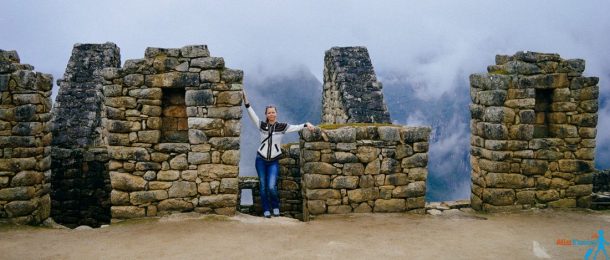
column 431, row 45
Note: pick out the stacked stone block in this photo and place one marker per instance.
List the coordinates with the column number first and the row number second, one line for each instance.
column 288, row 184
column 533, row 127
column 80, row 180
column 351, row 92
column 364, row 169
column 25, row 141
column 150, row 177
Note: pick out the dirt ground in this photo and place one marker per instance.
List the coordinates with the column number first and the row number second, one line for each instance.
column 523, row 235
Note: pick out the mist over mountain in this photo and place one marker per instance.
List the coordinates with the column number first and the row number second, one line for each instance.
column 449, row 117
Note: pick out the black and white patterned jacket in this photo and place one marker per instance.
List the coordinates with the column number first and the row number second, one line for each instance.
column 271, row 135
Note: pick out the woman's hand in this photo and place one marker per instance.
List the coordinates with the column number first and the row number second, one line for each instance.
column 310, row 126
column 243, row 95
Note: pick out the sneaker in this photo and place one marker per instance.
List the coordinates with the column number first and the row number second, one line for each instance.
column 267, row 214
column 276, row 212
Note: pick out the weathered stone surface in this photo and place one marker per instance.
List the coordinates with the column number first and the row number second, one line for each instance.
column 345, row 182
column 127, row 212
column 351, row 91
column 175, row 205
column 126, row 182
column 367, row 153
column 218, row 201
column 181, row 189
column 319, row 168
column 316, row 206
column 322, row 194
column 19, row 208
column 27, row 178
column 316, row 181
column 364, row 194
column 391, row 205
column 142, row 197
column 218, row 171
column 356, row 169
column 499, row 197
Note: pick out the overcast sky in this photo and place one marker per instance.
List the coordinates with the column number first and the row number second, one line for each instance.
column 433, row 44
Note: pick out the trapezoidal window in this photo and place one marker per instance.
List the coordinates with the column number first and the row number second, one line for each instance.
column 542, row 109
column 174, row 123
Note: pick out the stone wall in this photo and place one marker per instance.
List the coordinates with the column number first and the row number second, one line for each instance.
column 80, row 180
column 600, row 199
column 351, row 92
column 364, row 169
column 533, row 127
column 25, row 159
column 288, row 184
column 191, row 102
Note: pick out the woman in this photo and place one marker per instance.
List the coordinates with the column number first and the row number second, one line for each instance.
column 268, row 154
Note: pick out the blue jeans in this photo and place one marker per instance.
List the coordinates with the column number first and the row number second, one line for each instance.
column 267, row 177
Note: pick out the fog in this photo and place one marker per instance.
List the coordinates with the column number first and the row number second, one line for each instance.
column 426, row 49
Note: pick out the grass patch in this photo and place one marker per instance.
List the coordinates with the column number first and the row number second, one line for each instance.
column 336, row 126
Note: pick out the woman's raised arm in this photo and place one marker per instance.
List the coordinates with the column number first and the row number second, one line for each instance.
column 251, row 112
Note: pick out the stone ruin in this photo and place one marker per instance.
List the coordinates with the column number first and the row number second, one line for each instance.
column 161, row 135
column 80, row 181
column 364, row 169
column 533, row 125
column 172, row 127
column 351, row 92
column 361, row 168
column 25, row 139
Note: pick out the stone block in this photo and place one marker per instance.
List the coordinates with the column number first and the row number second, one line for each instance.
column 373, row 168
column 180, row 189
column 339, row 209
column 499, row 197
column 19, row 208
column 415, row 134
column 175, row 205
column 534, row 167
column 126, row 182
column 345, row 182
column 547, row 195
column 391, row 205
column 355, row 169
column 27, row 178
column 416, row 160
column 319, row 168
column 363, row 194
column 316, row 206
column 199, row 98
column 122, row 212
column 215, row 171
column 229, row 185
column 172, row 79
column 316, row 181
column 505, row 180
column 143, row 197
column 322, row 194
column 208, row 63
column 218, row 201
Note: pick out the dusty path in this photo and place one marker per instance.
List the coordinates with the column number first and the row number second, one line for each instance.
column 359, row 236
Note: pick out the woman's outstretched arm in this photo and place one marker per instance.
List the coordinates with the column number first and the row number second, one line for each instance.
column 295, row 128
column 251, row 112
